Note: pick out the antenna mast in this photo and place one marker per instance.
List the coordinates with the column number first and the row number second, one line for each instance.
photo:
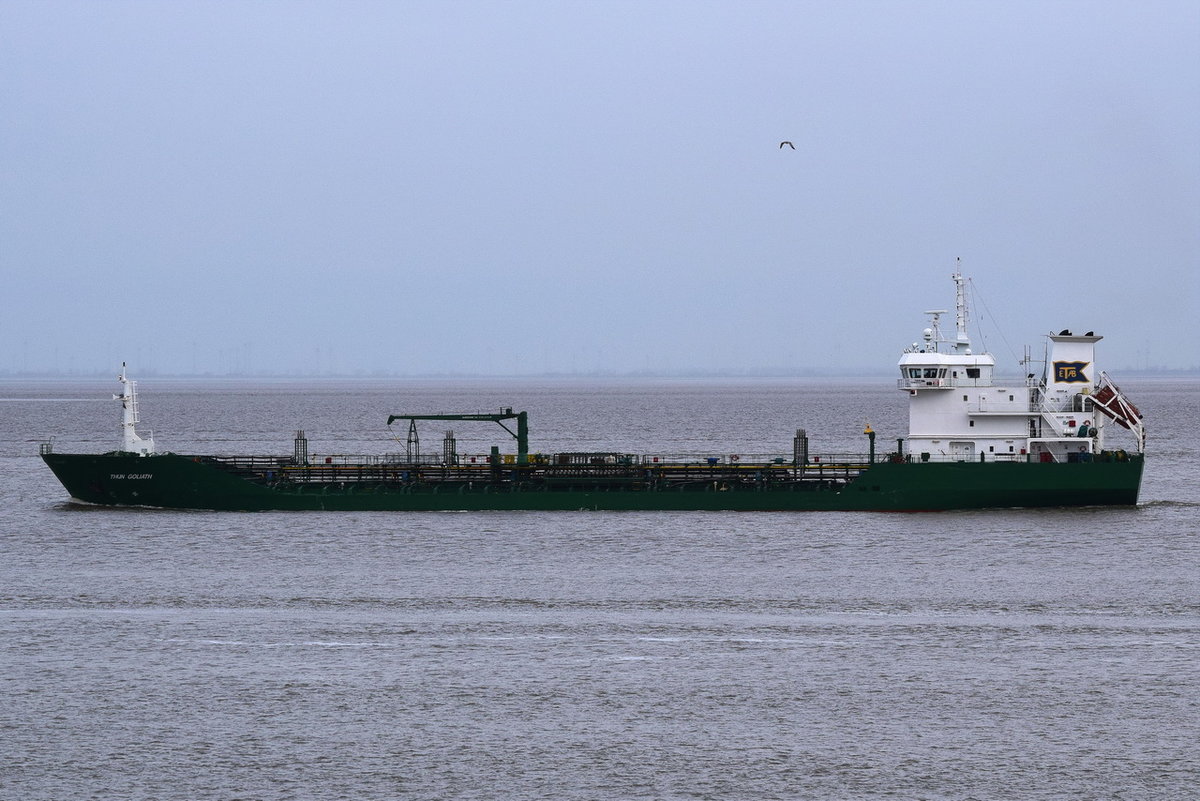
column 130, row 441
column 960, row 306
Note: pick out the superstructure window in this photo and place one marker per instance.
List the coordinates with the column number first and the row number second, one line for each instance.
column 972, row 372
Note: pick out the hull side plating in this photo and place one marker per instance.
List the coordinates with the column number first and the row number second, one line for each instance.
column 184, row 482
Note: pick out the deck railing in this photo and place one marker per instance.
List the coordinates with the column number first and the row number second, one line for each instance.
column 691, row 470
column 834, row 469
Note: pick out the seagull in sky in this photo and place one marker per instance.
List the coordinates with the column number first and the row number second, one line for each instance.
column 789, row 144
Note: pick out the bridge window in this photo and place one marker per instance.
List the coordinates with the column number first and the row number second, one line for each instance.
column 972, row 372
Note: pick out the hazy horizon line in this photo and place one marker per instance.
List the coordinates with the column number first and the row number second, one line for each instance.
column 557, row 374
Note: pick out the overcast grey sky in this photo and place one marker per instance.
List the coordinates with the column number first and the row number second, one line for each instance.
column 523, row 187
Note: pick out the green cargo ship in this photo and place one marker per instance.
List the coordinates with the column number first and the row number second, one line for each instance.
column 974, row 442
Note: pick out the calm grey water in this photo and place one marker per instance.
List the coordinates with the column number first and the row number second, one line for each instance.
column 591, row 655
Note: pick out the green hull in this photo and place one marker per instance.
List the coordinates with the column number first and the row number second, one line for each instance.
column 185, row 482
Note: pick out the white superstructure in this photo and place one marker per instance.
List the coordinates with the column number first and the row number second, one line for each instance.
column 959, row 410
column 130, row 441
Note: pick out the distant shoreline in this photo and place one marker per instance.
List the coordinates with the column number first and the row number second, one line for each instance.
column 553, row 376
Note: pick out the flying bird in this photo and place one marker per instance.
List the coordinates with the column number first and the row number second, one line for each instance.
column 789, row 144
